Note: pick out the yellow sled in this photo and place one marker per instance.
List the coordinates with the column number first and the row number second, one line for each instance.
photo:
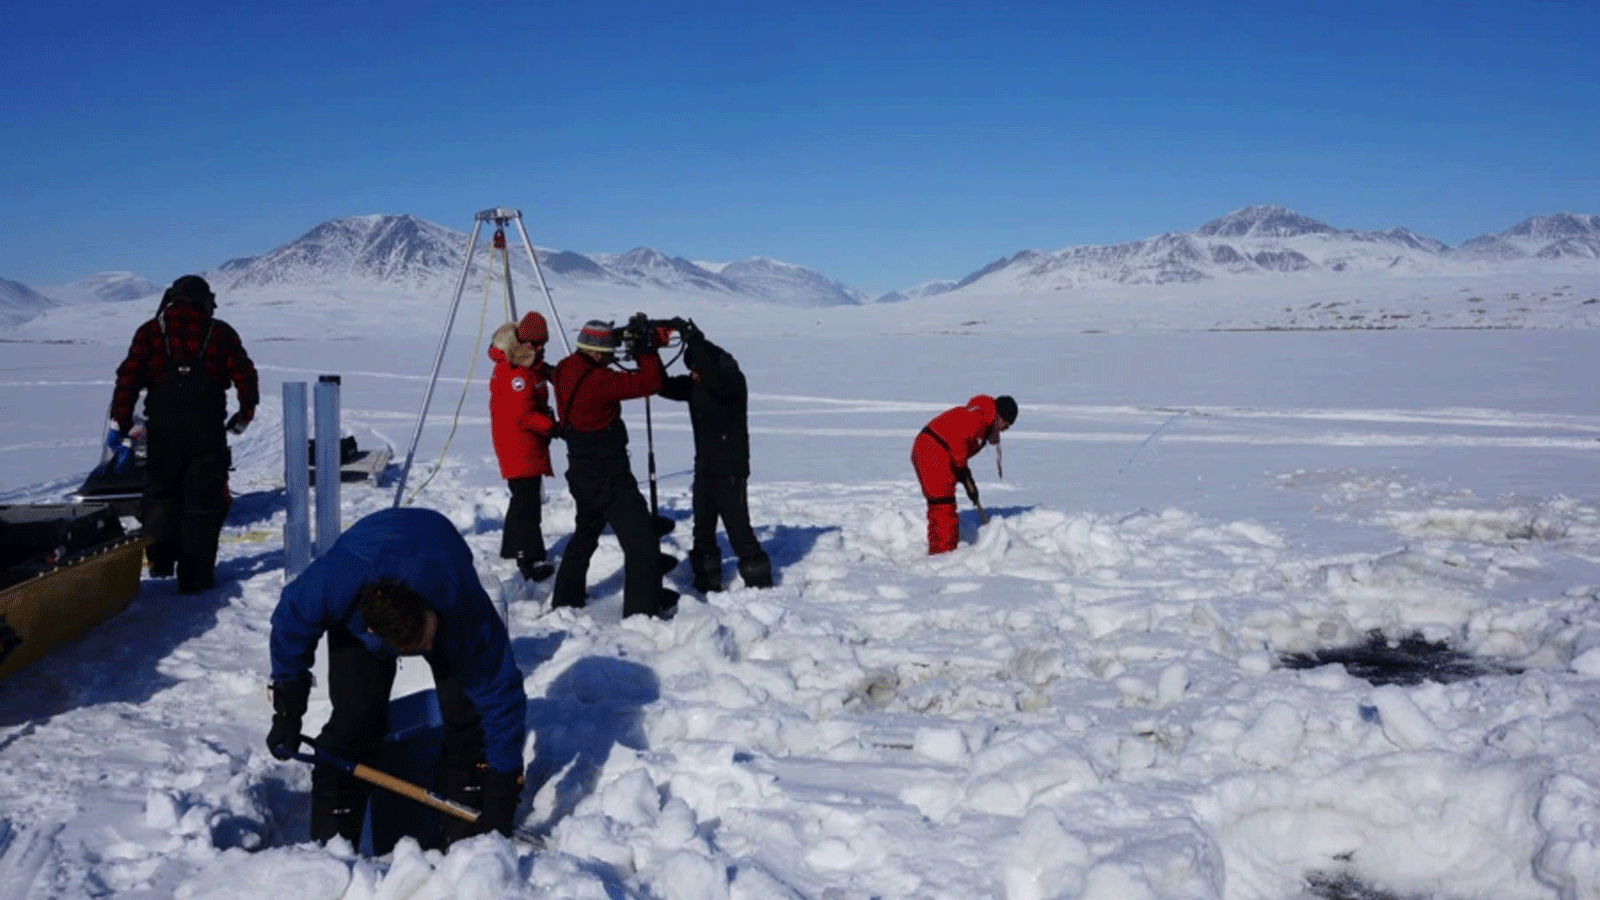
column 64, row 568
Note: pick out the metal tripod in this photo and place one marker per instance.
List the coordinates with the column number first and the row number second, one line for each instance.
column 499, row 216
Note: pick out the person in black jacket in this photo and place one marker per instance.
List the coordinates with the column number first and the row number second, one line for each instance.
column 718, row 400
column 184, row 360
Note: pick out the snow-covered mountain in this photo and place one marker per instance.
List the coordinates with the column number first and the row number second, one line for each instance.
column 400, row 251
column 412, row 254
column 405, row 255
column 1261, row 240
column 787, row 283
column 1560, row 236
column 19, row 303
column 106, row 287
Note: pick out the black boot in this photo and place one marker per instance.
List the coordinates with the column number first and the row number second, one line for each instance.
column 460, row 783
column 338, row 805
column 756, row 572
column 163, row 559
column 707, row 570
column 194, row 576
column 534, row 569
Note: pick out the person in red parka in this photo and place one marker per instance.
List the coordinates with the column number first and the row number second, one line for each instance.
column 940, row 455
column 522, row 423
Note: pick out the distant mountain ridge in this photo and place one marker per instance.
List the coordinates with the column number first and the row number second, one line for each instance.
column 411, row 254
column 418, row 255
column 1259, row 240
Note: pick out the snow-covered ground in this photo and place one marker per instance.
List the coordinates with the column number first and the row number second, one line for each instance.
column 1087, row 700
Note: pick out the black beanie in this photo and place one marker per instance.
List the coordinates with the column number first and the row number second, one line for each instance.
column 1006, row 408
column 194, row 289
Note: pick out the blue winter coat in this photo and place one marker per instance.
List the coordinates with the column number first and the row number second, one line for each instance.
column 422, row 548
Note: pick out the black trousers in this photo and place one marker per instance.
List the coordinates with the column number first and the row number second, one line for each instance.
column 725, row 497
column 185, row 502
column 359, row 682
column 523, row 536
column 611, row 498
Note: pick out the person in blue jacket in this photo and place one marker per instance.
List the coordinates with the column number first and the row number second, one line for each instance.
column 400, row 582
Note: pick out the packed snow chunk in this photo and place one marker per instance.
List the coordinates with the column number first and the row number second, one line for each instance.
column 302, row 873
column 161, row 810
column 1403, row 722
column 686, row 875
column 943, row 744
column 1011, row 775
column 1046, row 860
column 480, row 868
column 631, row 799
column 1275, row 738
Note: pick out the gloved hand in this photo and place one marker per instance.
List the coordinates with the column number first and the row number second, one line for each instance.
column 964, row 475
column 502, row 791
column 240, row 420
column 289, row 700
column 638, row 337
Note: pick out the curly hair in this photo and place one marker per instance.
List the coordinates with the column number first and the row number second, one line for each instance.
column 394, row 611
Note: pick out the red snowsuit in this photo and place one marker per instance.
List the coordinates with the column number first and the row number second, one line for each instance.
column 942, row 447
column 520, row 418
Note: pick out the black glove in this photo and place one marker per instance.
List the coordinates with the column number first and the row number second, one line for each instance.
column 239, row 421
column 502, row 791
column 638, row 337
column 289, row 700
column 964, row 475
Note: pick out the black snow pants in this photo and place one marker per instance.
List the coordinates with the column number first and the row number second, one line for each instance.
column 186, row 477
column 359, row 682
column 725, row 497
column 609, row 495
column 523, row 537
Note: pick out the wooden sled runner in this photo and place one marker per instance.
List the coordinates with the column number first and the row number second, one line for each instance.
column 64, row 569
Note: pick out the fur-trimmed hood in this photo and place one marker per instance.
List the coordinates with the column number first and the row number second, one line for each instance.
column 505, row 340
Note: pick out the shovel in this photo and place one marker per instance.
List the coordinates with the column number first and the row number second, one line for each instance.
column 407, row 789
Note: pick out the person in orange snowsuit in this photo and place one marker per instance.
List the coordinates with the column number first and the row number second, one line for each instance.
column 940, row 455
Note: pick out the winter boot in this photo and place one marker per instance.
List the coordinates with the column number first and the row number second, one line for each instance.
column 668, row 605
column 163, row 560
column 194, row 577
column 535, row 570
column 756, row 572
column 707, row 571
column 460, row 783
column 668, row 562
column 338, row 805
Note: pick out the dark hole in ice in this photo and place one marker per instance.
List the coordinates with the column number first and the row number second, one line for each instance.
column 1346, row 886
column 1409, row 660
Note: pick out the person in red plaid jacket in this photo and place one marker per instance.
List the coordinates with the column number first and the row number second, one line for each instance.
column 184, row 359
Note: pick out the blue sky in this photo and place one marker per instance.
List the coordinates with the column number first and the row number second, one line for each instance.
column 881, row 143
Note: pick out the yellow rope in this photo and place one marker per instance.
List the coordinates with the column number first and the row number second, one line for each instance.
column 483, row 314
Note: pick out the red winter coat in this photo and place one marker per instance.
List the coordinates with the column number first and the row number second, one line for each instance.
column 948, row 443
column 520, row 418
column 961, row 432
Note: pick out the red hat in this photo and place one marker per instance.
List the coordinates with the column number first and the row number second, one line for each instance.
column 532, row 329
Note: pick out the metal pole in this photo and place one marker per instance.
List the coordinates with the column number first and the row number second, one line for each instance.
column 326, row 397
column 555, row 318
column 650, row 444
column 438, row 360
column 296, row 482
column 505, row 263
